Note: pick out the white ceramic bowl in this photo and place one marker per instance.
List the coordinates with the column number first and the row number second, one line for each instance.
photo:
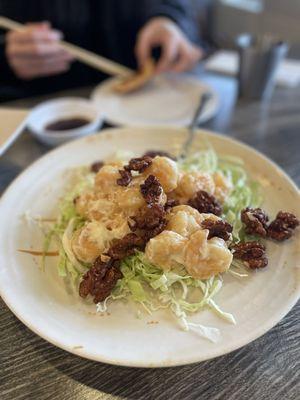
column 64, row 108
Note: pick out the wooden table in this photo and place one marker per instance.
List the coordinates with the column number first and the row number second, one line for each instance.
column 268, row 368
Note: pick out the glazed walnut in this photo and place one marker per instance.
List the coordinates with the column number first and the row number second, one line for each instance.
column 283, row 226
column 151, row 189
column 121, row 248
column 149, row 222
column 96, row 166
column 171, row 203
column 255, row 220
column 135, row 164
column 100, row 280
column 139, row 164
column 218, row 228
column 205, row 203
column 125, row 179
column 252, row 253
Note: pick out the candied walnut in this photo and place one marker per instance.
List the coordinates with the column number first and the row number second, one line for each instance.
column 171, row 203
column 219, row 228
column 139, row 164
column 255, row 220
column 75, row 200
column 150, row 221
column 248, row 250
column 151, row 189
column 160, row 153
column 257, row 263
column 126, row 246
column 283, row 226
column 277, row 231
column 100, row 280
column 205, row 203
column 290, row 220
column 125, row 179
column 252, row 253
column 96, row 166
column 149, row 217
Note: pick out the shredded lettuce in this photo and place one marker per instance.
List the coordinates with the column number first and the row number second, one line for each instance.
column 66, row 224
column 156, row 289
column 203, row 160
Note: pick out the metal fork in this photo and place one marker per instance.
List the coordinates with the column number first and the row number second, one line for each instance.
column 205, row 97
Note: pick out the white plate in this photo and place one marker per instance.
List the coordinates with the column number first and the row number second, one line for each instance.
column 167, row 100
column 40, row 300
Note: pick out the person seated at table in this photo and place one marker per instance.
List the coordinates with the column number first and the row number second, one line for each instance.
column 128, row 31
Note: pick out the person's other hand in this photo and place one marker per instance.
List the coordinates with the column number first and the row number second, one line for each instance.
column 178, row 54
column 35, row 51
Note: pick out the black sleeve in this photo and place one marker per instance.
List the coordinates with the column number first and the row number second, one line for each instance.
column 7, row 77
column 180, row 11
column 10, row 85
column 3, row 63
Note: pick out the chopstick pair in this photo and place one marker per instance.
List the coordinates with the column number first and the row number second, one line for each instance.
column 87, row 57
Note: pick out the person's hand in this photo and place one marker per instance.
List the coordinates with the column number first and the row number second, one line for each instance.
column 35, row 51
column 178, row 54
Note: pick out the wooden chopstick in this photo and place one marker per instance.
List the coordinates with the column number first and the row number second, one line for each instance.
column 85, row 56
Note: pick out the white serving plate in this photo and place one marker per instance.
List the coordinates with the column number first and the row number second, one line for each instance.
column 169, row 99
column 39, row 299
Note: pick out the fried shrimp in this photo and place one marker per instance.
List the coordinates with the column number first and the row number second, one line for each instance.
column 165, row 250
column 166, row 171
column 190, row 183
column 204, row 258
column 223, row 186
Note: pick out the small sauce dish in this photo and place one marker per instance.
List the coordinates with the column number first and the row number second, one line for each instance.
column 57, row 121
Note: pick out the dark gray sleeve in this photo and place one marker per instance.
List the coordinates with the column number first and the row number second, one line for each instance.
column 11, row 9
column 180, row 11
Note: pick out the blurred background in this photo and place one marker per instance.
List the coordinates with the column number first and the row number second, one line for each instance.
column 225, row 19
column 212, row 24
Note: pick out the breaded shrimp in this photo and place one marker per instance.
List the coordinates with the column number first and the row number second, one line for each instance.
column 166, row 249
column 223, row 186
column 205, row 258
column 86, row 245
column 166, row 171
column 106, row 178
column 190, row 183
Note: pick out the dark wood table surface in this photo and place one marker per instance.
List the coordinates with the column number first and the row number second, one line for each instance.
column 268, row 368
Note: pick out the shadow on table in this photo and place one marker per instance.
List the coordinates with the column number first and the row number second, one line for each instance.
column 185, row 382
column 250, row 372
column 142, row 383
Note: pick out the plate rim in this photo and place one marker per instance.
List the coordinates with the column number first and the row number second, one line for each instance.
column 112, row 121
column 256, row 333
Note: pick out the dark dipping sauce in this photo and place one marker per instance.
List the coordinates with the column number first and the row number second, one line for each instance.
column 66, row 124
